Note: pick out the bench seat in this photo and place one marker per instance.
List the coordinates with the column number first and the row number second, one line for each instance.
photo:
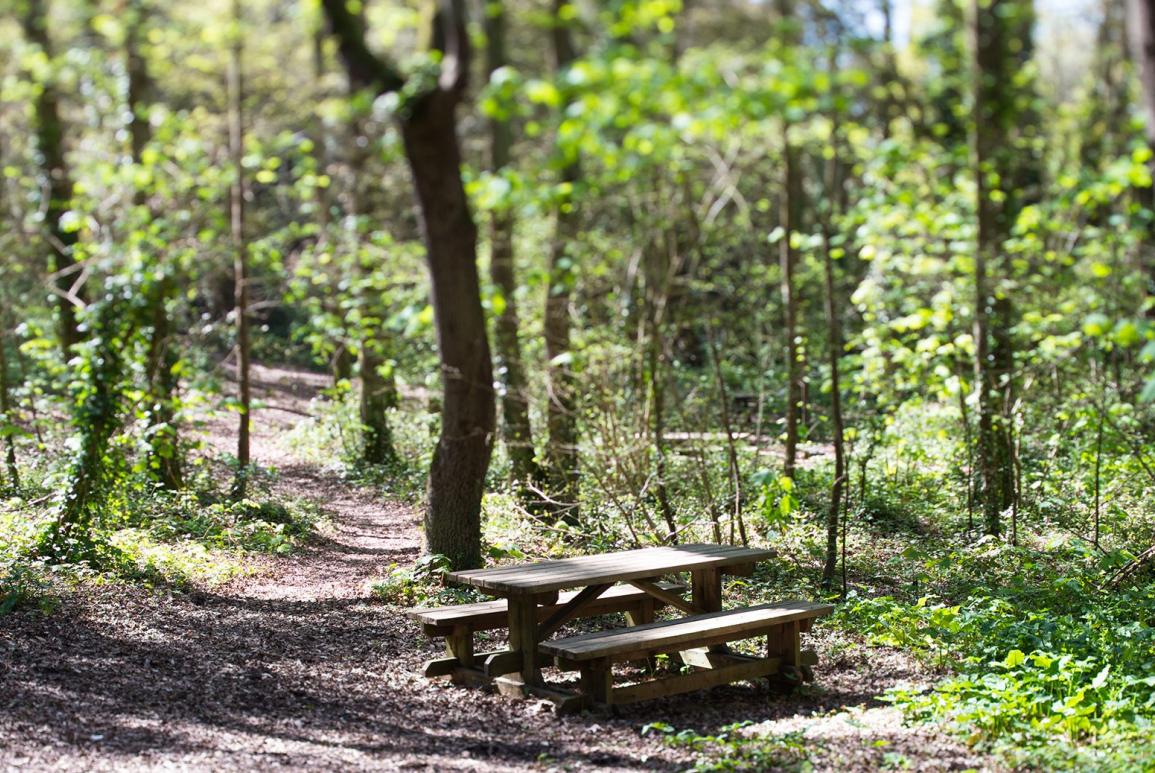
column 490, row 615
column 781, row 622
column 669, row 635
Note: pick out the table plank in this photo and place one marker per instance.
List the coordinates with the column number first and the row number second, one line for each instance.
column 546, row 576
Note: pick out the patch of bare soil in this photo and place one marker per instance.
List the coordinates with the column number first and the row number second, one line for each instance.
column 298, row 666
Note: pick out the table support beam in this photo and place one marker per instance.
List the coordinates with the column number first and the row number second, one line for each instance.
column 667, row 597
column 562, row 616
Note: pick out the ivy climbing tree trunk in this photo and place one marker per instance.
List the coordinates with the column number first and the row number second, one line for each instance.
column 517, row 432
column 67, row 276
column 96, row 416
column 161, row 366
column 562, row 451
column 240, row 251
column 1002, row 47
column 428, row 125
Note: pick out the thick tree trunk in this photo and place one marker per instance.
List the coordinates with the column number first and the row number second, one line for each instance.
column 517, row 433
column 460, row 461
column 562, row 450
column 429, row 133
column 240, row 256
column 67, row 278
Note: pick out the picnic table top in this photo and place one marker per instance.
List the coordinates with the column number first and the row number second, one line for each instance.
column 547, row 576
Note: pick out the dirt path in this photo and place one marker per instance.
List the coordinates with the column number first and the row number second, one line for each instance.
column 299, row 666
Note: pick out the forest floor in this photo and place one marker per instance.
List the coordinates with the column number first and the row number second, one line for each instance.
column 296, row 664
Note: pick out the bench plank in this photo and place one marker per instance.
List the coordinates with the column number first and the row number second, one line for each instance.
column 713, row 628
column 488, row 615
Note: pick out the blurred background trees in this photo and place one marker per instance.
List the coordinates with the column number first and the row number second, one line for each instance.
column 739, row 262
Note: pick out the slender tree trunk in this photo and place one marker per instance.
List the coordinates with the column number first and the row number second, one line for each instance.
column 164, row 439
column 378, row 396
column 7, row 418
column 731, row 444
column 378, row 385
column 1002, row 45
column 790, row 216
column 517, row 433
column 1141, row 24
column 67, row 277
column 834, row 344
column 240, row 251
column 968, row 441
column 656, row 299
column 562, row 449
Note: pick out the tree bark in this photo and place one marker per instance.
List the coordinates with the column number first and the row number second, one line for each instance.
column 429, row 133
column 790, row 216
column 517, row 432
column 67, row 277
column 460, row 461
column 788, row 257
column 1002, row 45
column 240, row 253
column 834, row 344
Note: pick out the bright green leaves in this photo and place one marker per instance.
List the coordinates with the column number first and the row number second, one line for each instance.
column 1014, row 658
column 625, row 18
column 542, row 92
column 777, row 500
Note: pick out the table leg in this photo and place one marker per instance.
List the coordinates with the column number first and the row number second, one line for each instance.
column 523, row 637
column 707, row 594
column 707, row 589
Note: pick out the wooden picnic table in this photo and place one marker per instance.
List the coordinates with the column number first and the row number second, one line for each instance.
column 528, row 586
